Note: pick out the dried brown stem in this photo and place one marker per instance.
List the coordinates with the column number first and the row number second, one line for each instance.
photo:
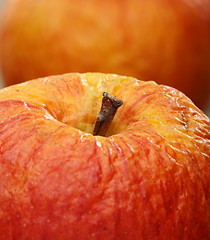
column 109, row 107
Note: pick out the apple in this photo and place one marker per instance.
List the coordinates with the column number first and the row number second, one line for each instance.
column 162, row 40
column 134, row 167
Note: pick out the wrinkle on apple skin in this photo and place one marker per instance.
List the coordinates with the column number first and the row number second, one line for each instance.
column 121, row 186
column 176, row 203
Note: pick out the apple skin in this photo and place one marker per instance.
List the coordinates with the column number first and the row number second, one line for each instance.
column 162, row 40
column 149, row 178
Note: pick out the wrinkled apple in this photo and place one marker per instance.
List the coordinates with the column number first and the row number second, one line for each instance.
column 163, row 40
column 147, row 177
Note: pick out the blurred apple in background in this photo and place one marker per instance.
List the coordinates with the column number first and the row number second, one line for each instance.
column 163, row 40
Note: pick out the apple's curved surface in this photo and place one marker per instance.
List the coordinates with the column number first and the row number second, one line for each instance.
column 149, row 178
column 162, row 40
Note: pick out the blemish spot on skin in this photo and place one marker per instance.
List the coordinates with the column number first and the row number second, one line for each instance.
column 105, row 228
column 25, row 178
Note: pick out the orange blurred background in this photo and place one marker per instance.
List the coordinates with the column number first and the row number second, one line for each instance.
column 134, row 72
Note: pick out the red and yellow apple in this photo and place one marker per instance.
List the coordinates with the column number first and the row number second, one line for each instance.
column 163, row 40
column 147, row 178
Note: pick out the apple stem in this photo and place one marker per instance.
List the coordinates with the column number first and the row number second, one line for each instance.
column 109, row 107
